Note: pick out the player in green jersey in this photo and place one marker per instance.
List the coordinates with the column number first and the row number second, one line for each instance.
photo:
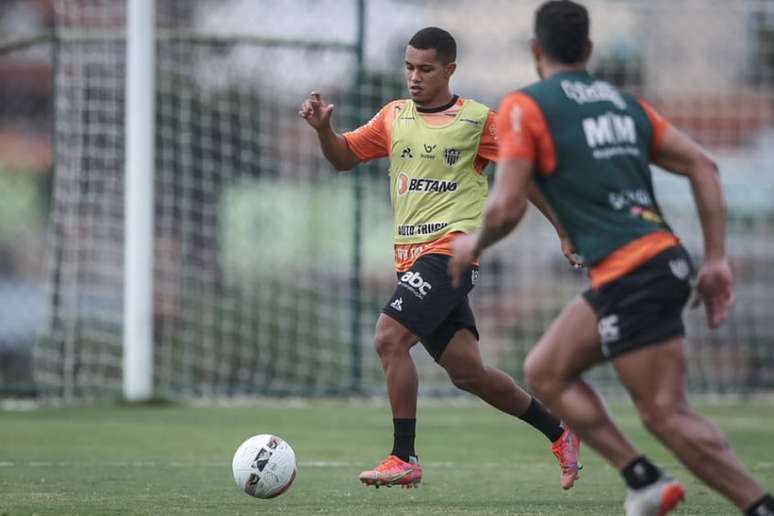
column 588, row 146
column 438, row 145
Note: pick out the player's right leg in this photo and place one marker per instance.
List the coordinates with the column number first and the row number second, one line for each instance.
column 664, row 409
column 418, row 306
column 393, row 342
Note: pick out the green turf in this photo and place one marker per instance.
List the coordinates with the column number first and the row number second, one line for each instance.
column 176, row 460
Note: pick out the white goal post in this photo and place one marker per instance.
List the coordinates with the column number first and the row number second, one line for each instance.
column 139, row 174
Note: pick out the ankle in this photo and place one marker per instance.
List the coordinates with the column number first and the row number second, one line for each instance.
column 763, row 507
column 640, row 473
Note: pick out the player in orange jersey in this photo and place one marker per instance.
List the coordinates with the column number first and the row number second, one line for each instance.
column 438, row 145
column 588, row 146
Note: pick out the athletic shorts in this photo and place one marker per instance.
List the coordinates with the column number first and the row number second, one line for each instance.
column 426, row 303
column 645, row 306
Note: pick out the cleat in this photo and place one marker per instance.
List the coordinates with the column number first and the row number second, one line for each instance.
column 566, row 450
column 657, row 499
column 393, row 471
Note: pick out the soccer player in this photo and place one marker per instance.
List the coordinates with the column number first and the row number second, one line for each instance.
column 438, row 145
column 588, row 146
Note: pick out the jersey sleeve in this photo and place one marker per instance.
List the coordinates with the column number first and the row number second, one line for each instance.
column 522, row 132
column 659, row 124
column 372, row 140
column 487, row 149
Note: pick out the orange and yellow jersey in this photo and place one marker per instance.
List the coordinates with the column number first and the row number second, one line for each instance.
column 375, row 140
column 590, row 145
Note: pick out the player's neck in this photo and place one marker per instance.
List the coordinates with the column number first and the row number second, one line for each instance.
column 442, row 101
column 549, row 69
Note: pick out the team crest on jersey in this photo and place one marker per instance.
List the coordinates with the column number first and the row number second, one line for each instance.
column 451, row 156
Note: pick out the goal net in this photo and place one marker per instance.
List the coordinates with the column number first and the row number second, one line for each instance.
column 270, row 268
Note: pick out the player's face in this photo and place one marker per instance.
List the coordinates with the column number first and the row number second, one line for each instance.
column 427, row 78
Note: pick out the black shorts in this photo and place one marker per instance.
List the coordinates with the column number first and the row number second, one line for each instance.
column 645, row 306
column 426, row 303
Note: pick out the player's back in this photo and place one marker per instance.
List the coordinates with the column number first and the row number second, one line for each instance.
column 594, row 146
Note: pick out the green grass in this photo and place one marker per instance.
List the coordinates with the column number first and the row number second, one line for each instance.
column 176, row 460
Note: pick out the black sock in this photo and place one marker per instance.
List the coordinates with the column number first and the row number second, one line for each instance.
column 640, row 473
column 763, row 507
column 404, row 432
column 537, row 416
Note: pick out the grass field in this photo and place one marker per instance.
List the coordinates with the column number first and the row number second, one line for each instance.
column 176, row 460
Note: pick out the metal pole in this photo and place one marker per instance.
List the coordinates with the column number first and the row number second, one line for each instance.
column 139, row 200
column 357, row 184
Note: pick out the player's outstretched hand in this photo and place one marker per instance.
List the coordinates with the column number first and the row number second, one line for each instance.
column 464, row 254
column 569, row 252
column 715, row 289
column 316, row 111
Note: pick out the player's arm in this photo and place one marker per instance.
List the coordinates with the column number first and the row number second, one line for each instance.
column 504, row 210
column 507, row 203
column 317, row 114
column 679, row 154
column 498, row 213
column 535, row 196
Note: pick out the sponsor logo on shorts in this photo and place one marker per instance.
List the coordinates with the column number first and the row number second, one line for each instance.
column 680, row 268
column 608, row 330
column 414, row 282
column 405, row 184
column 397, row 304
column 474, row 276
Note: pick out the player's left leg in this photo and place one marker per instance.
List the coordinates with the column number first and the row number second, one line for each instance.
column 462, row 360
column 662, row 404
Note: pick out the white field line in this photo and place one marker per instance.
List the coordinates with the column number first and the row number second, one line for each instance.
column 174, row 464
column 307, row 464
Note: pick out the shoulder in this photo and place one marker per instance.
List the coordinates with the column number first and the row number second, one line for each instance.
column 475, row 111
column 472, row 103
column 386, row 115
column 394, row 107
column 536, row 88
column 518, row 104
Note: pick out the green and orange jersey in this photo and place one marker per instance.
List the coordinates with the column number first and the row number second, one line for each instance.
column 436, row 171
column 591, row 146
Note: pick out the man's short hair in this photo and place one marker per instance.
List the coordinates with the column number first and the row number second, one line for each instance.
column 433, row 37
column 562, row 30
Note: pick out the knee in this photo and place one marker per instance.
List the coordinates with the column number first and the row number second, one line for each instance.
column 384, row 344
column 661, row 416
column 537, row 375
column 468, row 380
column 389, row 342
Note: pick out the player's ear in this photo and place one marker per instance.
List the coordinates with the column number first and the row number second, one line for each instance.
column 450, row 69
column 537, row 52
column 588, row 50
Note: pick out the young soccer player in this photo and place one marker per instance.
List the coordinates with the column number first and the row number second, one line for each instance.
column 588, row 146
column 438, row 145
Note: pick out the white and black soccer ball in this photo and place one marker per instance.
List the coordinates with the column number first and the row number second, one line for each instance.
column 264, row 466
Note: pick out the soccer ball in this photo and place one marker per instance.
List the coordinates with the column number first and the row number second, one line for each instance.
column 264, row 466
